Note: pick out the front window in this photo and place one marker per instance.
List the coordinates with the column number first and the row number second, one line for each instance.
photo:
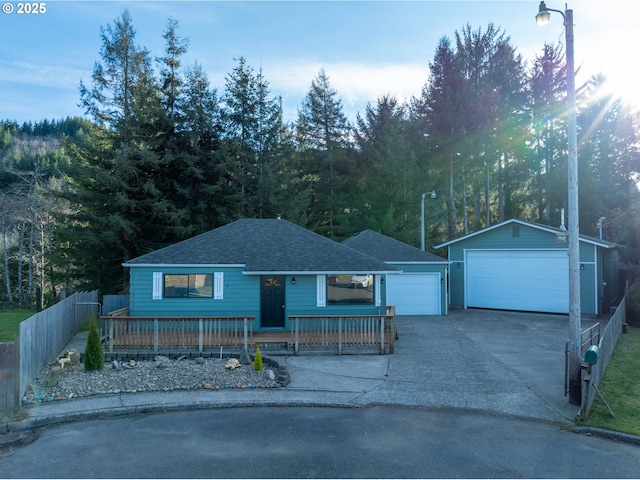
column 188, row 286
column 350, row 289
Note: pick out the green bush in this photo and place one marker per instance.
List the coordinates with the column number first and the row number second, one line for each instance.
column 633, row 302
column 257, row 360
column 93, row 354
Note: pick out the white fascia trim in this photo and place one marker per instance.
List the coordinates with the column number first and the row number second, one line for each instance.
column 443, row 262
column 323, row 272
column 185, row 265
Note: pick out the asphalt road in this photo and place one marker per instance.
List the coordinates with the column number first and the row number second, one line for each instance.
column 301, row 442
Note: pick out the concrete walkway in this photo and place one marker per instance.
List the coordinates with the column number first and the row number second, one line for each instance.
column 503, row 362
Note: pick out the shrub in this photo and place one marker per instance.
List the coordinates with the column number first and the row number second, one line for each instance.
column 633, row 303
column 257, row 360
column 93, row 354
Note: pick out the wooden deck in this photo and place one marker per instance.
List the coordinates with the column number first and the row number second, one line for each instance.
column 365, row 333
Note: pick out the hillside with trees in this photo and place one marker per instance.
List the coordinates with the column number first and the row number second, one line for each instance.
column 161, row 156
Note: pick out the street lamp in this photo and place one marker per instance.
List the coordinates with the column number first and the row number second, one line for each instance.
column 573, row 231
column 433, row 195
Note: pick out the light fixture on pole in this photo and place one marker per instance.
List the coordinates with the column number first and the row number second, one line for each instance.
column 433, row 195
column 573, row 230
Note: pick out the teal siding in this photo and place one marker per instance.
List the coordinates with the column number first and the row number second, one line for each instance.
column 519, row 236
column 302, row 300
column 503, row 238
column 588, row 288
column 241, row 294
column 241, row 297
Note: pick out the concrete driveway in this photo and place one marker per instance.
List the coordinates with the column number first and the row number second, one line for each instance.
column 506, row 362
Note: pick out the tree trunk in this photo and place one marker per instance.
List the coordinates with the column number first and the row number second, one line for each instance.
column 451, row 203
column 7, row 278
column 487, row 197
column 464, row 202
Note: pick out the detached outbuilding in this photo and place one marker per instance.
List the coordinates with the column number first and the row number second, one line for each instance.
column 518, row 265
column 419, row 287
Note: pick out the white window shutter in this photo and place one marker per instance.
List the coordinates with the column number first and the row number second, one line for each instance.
column 376, row 290
column 321, row 291
column 157, row 286
column 218, row 285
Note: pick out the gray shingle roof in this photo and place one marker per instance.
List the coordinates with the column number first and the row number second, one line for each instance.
column 388, row 249
column 265, row 245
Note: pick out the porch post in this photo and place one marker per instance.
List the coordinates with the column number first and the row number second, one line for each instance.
column 155, row 335
column 340, row 336
column 382, row 322
column 200, row 335
column 111, row 335
column 246, row 338
column 296, row 336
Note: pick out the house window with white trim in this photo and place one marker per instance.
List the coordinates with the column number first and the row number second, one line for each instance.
column 190, row 285
column 357, row 289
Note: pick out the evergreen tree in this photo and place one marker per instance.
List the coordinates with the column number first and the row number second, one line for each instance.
column 438, row 117
column 239, row 115
column 200, row 186
column 93, row 354
column 389, row 176
column 323, row 139
column 116, row 203
column 171, row 80
column 548, row 153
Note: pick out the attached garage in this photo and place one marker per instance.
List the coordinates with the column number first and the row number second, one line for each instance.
column 419, row 287
column 518, row 265
column 414, row 293
column 530, row 280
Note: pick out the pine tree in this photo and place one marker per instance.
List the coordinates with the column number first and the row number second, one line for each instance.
column 117, row 161
column 388, row 171
column 323, row 138
column 438, row 118
column 93, row 354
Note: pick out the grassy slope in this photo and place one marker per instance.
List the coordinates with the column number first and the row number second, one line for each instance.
column 10, row 323
column 620, row 386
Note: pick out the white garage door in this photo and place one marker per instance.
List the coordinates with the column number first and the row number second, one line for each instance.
column 414, row 293
column 528, row 280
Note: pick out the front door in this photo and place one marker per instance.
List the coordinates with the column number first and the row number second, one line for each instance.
column 272, row 301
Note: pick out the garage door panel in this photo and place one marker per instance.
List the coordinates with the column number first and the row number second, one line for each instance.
column 414, row 294
column 535, row 280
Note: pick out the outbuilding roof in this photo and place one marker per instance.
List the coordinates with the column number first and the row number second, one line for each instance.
column 389, row 249
column 545, row 228
column 264, row 246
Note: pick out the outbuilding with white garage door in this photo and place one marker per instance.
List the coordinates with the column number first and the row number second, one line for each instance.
column 419, row 287
column 518, row 265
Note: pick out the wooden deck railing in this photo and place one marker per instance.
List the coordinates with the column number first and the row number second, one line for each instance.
column 358, row 331
column 355, row 332
column 140, row 333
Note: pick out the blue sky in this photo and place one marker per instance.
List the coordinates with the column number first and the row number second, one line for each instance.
column 368, row 49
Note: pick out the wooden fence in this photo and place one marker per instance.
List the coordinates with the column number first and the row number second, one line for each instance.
column 114, row 302
column 9, row 381
column 607, row 343
column 42, row 338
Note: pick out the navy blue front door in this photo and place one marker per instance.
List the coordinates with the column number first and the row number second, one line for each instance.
column 272, row 301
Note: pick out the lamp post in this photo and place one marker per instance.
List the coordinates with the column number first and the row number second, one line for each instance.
column 433, row 195
column 575, row 327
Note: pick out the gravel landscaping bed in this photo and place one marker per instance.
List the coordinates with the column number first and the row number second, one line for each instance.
column 144, row 376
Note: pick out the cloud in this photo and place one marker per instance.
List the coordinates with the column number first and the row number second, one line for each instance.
column 50, row 76
column 357, row 84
